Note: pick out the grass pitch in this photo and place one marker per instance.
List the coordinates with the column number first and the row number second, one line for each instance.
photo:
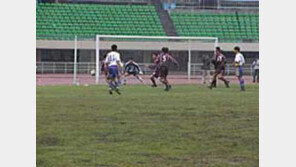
column 188, row 126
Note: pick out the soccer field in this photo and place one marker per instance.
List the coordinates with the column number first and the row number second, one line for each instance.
column 190, row 126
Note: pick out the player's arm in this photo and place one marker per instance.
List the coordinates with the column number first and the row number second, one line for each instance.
column 236, row 61
column 126, row 66
column 223, row 61
column 138, row 68
column 173, row 60
column 118, row 61
column 107, row 62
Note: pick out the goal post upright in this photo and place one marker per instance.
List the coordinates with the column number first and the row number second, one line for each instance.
column 75, row 61
column 189, row 60
column 97, row 59
column 185, row 39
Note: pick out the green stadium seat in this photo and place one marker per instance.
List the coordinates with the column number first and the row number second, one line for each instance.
column 225, row 26
column 60, row 19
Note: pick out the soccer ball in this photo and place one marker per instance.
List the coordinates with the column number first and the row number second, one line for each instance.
column 93, row 72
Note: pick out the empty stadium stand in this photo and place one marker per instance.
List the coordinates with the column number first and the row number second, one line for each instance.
column 60, row 20
column 228, row 27
column 64, row 20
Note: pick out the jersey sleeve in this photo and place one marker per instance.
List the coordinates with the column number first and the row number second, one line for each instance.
column 118, row 57
column 243, row 59
column 236, row 59
column 138, row 67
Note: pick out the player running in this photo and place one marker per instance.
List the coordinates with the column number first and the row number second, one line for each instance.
column 164, row 59
column 113, row 63
column 132, row 68
column 156, row 68
column 219, row 69
column 239, row 62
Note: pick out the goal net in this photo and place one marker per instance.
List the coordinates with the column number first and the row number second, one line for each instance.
column 188, row 51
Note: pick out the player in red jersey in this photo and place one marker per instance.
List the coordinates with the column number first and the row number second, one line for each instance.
column 220, row 68
column 156, row 72
column 164, row 59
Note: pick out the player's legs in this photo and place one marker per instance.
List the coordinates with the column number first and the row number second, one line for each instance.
column 203, row 78
column 139, row 78
column 113, row 79
column 163, row 77
column 214, row 80
column 152, row 78
column 221, row 77
column 125, row 78
column 257, row 73
column 154, row 75
column 254, row 76
column 239, row 74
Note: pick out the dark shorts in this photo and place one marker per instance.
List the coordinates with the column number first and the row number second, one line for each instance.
column 156, row 72
column 220, row 70
column 113, row 71
column 164, row 71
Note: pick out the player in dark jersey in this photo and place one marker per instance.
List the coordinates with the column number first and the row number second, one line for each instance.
column 104, row 68
column 220, row 68
column 156, row 68
column 164, row 59
column 132, row 68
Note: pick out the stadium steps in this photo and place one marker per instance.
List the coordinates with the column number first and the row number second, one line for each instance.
column 165, row 19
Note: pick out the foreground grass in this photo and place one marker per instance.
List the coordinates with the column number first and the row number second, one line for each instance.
column 189, row 126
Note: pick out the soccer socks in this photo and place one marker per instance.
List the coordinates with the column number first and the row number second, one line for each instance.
column 118, row 84
column 213, row 83
column 111, row 86
column 153, row 81
column 140, row 79
column 242, row 84
column 225, row 81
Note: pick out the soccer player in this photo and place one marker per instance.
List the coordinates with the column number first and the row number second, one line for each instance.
column 255, row 66
column 239, row 62
column 104, row 68
column 113, row 63
column 132, row 68
column 164, row 58
column 220, row 69
column 156, row 68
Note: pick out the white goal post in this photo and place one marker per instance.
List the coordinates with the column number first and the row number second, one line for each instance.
column 188, row 44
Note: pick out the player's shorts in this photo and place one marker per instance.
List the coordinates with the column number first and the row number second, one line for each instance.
column 156, row 72
column 164, row 71
column 220, row 71
column 113, row 71
column 239, row 71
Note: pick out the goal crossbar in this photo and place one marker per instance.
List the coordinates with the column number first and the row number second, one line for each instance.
column 155, row 37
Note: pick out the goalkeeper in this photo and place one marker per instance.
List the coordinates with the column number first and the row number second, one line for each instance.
column 132, row 68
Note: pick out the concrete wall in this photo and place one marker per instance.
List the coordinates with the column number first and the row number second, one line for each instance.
column 178, row 46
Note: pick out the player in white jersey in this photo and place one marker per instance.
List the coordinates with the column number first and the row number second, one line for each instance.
column 114, row 64
column 239, row 62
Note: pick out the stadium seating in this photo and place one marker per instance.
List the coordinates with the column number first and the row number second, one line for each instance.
column 62, row 21
column 227, row 27
column 56, row 21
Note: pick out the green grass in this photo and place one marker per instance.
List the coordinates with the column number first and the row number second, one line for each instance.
column 190, row 126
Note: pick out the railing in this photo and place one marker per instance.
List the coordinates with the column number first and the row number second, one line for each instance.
column 64, row 67
column 196, row 69
column 86, row 67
